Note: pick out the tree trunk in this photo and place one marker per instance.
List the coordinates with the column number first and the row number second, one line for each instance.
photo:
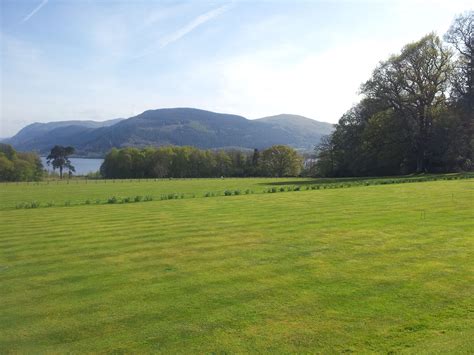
column 421, row 142
column 60, row 172
column 420, row 162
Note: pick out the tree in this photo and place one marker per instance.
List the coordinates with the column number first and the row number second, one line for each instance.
column 414, row 84
column 19, row 166
column 281, row 160
column 58, row 158
column 461, row 36
column 325, row 165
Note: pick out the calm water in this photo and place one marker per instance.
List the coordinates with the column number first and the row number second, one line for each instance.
column 83, row 166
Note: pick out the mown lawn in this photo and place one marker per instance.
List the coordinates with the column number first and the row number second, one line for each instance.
column 78, row 191
column 368, row 269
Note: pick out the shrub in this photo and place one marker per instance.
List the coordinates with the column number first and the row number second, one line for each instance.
column 127, row 200
column 148, row 198
column 227, row 193
column 237, row 192
column 248, row 191
column 88, row 202
column 138, row 198
column 34, row 204
column 282, row 189
column 67, row 203
column 112, row 200
column 297, row 188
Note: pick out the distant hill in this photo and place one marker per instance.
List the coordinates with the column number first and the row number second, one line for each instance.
column 302, row 128
column 40, row 136
column 174, row 126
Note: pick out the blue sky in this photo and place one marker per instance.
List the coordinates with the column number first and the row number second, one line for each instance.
column 86, row 59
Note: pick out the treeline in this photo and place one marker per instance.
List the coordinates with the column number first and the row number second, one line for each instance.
column 17, row 166
column 186, row 162
column 416, row 114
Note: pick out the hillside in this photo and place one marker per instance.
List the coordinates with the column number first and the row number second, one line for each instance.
column 175, row 126
column 306, row 129
column 40, row 136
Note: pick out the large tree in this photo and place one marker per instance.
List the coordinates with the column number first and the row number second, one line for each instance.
column 281, row 160
column 59, row 159
column 19, row 166
column 414, row 84
column 461, row 36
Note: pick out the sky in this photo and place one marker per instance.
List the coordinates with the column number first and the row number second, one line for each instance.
column 99, row 60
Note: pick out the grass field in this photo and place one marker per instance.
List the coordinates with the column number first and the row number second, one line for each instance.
column 386, row 268
column 78, row 191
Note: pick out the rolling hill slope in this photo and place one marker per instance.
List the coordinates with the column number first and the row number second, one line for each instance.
column 175, row 126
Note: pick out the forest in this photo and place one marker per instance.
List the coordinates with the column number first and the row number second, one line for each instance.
column 186, row 162
column 416, row 112
column 19, row 166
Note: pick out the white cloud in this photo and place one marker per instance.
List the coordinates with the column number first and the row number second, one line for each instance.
column 321, row 86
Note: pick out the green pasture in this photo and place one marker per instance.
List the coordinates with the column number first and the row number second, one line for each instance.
column 372, row 269
column 80, row 191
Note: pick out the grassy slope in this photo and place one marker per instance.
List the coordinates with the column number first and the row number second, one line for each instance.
column 77, row 191
column 375, row 268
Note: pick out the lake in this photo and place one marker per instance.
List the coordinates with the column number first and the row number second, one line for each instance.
column 83, row 165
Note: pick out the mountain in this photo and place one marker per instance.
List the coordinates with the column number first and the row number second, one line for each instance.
column 302, row 128
column 174, row 126
column 39, row 136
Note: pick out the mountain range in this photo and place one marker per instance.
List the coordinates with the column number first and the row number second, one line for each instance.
column 173, row 126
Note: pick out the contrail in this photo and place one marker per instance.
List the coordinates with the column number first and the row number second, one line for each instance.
column 183, row 31
column 192, row 25
column 36, row 9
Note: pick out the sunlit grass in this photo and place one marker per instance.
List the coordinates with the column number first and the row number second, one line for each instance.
column 369, row 269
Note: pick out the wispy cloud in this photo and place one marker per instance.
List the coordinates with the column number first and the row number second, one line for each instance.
column 35, row 10
column 175, row 36
column 183, row 31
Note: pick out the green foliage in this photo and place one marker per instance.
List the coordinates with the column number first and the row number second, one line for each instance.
column 186, row 162
column 112, row 200
column 18, row 166
column 59, row 159
column 279, row 161
column 415, row 115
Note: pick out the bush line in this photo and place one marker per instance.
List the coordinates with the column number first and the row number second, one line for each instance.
column 176, row 196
